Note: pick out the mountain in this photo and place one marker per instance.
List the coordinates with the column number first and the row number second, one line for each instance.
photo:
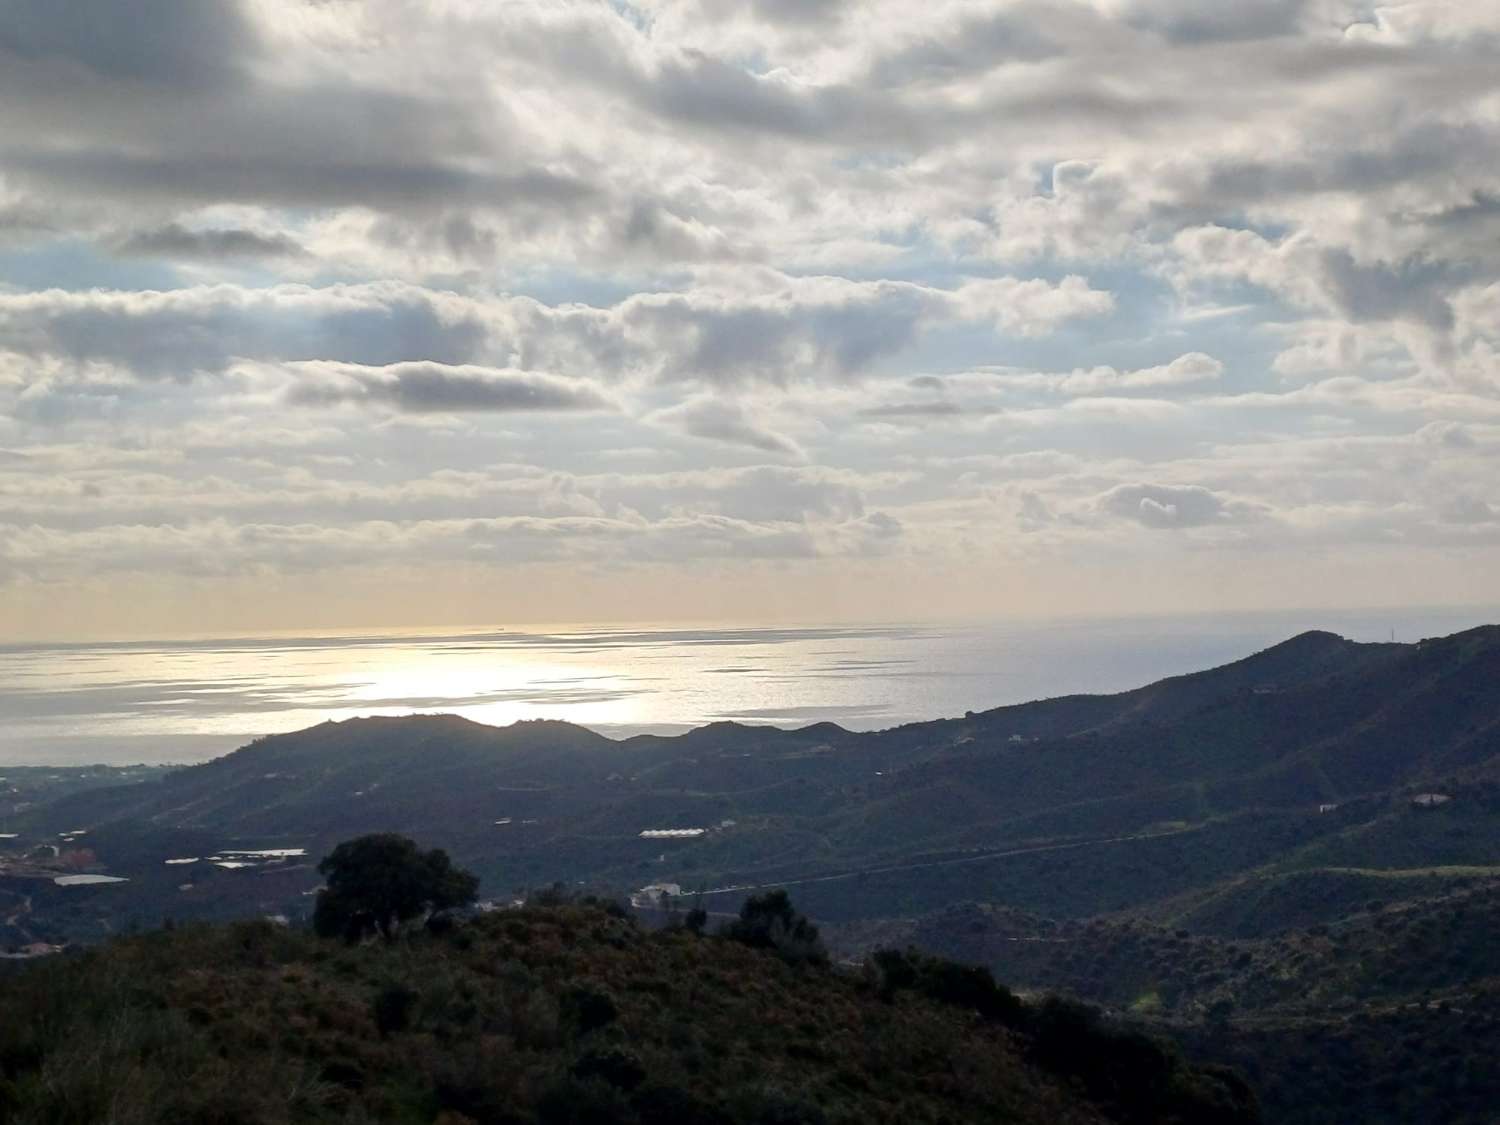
column 1297, row 852
column 558, row 1015
column 1068, row 807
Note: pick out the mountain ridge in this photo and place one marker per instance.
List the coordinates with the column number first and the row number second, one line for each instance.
column 1266, row 740
column 1175, row 850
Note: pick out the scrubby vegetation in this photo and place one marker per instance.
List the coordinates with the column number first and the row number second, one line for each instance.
column 568, row 1013
column 1386, row 1015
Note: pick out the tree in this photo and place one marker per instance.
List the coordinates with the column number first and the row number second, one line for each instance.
column 376, row 882
column 769, row 921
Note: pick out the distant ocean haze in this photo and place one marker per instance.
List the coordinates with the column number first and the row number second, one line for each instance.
column 188, row 701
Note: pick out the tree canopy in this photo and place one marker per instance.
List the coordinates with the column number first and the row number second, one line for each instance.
column 377, row 882
column 769, row 921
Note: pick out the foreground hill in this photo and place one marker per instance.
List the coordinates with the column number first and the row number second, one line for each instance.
column 560, row 1014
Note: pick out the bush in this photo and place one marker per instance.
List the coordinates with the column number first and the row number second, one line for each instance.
column 769, row 921
column 588, row 1009
column 948, row 982
column 377, row 882
column 618, row 1067
column 671, row 1105
column 584, row 1101
column 392, row 1007
column 770, row 1105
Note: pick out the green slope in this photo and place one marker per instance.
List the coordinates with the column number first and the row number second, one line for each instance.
column 568, row 1014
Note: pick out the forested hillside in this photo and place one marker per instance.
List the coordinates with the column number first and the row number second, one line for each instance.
column 567, row 1013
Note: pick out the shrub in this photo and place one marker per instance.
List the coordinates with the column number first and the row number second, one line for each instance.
column 392, row 1007
column 672, row 1105
column 769, row 921
column 588, row 1009
column 771, row 1105
column 377, row 882
column 614, row 1065
column 948, row 982
column 583, row 1101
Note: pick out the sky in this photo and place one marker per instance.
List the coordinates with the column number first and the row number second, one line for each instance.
column 333, row 313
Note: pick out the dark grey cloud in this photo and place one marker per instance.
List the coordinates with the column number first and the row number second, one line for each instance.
column 839, row 330
column 1415, row 289
column 165, row 102
column 1193, row 21
column 277, row 175
column 661, row 232
column 972, row 44
column 170, row 42
column 1468, row 510
column 706, row 92
column 205, row 330
column 1424, row 151
column 725, row 421
column 25, row 222
column 1481, row 209
column 938, row 408
column 179, row 242
column 813, row 12
column 406, row 326
column 422, row 388
column 798, row 329
column 709, row 92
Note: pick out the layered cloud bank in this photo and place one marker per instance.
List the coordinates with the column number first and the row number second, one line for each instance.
column 366, row 311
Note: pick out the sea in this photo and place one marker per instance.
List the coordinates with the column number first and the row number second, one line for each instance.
column 181, row 701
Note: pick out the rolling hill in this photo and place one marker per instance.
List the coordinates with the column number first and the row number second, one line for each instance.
column 1299, row 848
column 563, row 1014
column 1068, row 807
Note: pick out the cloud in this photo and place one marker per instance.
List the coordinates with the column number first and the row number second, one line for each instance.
column 218, row 548
column 204, row 330
column 291, row 285
column 275, row 178
column 1189, row 22
column 1469, row 510
column 171, row 42
column 1446, row 435
column 756, row 327
column 176, row 241
column 1186, row 370
column 431, row 387
column 1161, row 506
column 972, row 42
column 725, row 421
column 931, row 408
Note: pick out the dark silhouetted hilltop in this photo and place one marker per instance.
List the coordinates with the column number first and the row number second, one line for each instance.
column 558, row 1014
